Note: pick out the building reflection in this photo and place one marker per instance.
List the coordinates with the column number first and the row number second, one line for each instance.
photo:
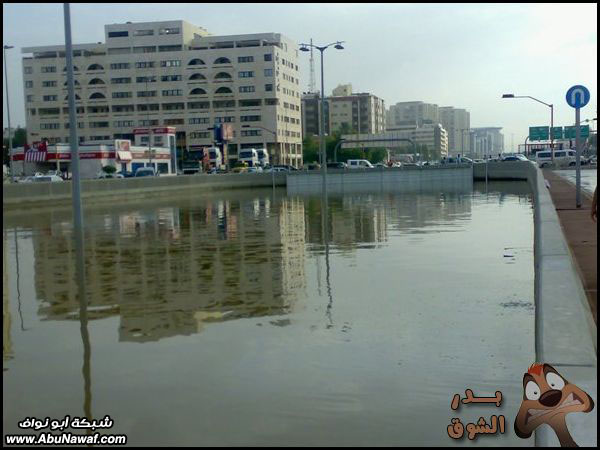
column 168, row 271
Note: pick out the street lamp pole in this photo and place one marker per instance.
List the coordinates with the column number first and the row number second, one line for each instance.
column 551, row 117
column 305, row 48
column 10, row 155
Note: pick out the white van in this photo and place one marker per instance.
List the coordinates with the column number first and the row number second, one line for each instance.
column 249, row 156
column 561, row 158
column 359, row 164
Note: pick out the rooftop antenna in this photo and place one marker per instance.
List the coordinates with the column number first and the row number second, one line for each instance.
column 311, row 84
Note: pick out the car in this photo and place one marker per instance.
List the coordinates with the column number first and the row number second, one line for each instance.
column 359, row 164
column 126, row 174
column 313, row 166
column 337, row 165
column 464, row 159
column 561, row 158
column 517, row 157
column 276, row 169
column 46, row 178
column 256, row 169
column 145, row 172
column 104, row 175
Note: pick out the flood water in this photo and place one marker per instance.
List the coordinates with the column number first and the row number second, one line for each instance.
column 589, row 178
column 254, row 318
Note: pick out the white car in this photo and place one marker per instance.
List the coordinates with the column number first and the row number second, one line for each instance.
column 46, row 178
column 359, row 164
column 561, row 158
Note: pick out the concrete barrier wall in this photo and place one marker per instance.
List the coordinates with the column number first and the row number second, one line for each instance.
column 507, row 170
column 410, row 179
column 565, row 331
column 31, row 194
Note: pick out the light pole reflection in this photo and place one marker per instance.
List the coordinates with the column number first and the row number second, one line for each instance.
column 325, row 234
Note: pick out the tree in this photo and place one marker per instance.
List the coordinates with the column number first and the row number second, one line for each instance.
column 109, row 169
column 19, row 140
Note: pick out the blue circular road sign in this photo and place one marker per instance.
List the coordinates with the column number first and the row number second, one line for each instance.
column 578, row 96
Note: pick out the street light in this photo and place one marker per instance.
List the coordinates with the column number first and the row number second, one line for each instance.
column 551, row 117
column 305, row 48
column 10, row 156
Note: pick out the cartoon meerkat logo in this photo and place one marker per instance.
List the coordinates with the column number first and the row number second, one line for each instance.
column 548, row 398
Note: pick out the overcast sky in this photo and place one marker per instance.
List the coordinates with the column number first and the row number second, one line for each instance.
column 462, row 55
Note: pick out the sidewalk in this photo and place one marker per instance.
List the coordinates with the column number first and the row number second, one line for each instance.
column 580, row 232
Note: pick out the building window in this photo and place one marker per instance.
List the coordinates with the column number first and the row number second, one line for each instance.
column 113, row 34
column 99, row 125
column 48, row 83
column 224, row 104
column 28, row 70
column 168, row 31
column 246, row 74
column 198, row 91
column 150, row 107
column 150, row 79
column 197, row 76
column 119, row 51
column 170, row 78
column 170, row 63
column 198, row 105
column 247, row 89
column 49, row 126
column 196, row 62
column 247, row 103
column 99, row 138
column 121, row 95
column 122, row 108
column 29, row 84
column 199, row 135
column 249, row 118
column 95, row 67
column 146, row 93
column 143, row 33
column 123, row 123
column 222, row 76
column 222, row 60
column 79, row 125
column 147, row 123
column 268, row 87
column 269, row 57
column 172, row 92
column 50, row 98
column 145, row 49
column 48, row 69
column 245, row 59
column 223, row 90
column 174, row 122
column 198, row 120
column 144, row 65
column 226, row 119
column 96, row 81
column 173, row 106
column 251, row 133
column 169, row 48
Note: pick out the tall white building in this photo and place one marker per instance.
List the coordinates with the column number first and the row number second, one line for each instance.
column 171, row 73
column 457, row 122
column 486, row 141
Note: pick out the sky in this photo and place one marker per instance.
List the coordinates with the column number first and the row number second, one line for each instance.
column 461, row 55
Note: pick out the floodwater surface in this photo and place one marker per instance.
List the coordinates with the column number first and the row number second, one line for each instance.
column 256, row 318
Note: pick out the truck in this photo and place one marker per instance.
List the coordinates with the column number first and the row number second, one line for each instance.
column 249, row 156
column 215, row 158
column 263, row 157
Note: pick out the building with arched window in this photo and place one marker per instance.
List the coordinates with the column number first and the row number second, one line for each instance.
column 182, row 76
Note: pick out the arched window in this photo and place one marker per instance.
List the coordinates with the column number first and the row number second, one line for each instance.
column 95, row 67
column 223, row 90
column 96, row 81
column 75, row 82
column 222, row 76
column 75, row 69
column 77, row 97
column 197, row 76
column 196, row 62
column 96, row 95
column 198, row 91
column 222, row 60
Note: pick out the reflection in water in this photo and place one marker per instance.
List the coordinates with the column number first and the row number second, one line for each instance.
column 167, row 271
column 7, row 350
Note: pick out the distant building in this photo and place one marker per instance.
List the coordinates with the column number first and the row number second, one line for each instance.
column 311, row 106
column 343, row 90
column 5, row 133
column 457, row 123
column 486, row 141
column 412, row 113
column 433, row 136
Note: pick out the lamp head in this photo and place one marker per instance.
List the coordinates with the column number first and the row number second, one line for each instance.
column 508, row 96
column 304, row 48
column 339, row 46
column 6, row 47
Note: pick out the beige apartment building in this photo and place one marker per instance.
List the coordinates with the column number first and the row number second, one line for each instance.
column 457, row 122
column 412, row 113
column 170, row 73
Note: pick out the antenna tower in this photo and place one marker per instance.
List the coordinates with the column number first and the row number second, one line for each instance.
column 311, row 84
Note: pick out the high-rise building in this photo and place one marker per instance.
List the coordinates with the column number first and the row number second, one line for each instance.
column 457, row 122
column 412, row 113
column 171, row 73
column 486, row 141
column 311, row 107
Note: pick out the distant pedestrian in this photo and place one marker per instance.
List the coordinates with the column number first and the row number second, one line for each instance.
column 595, row 205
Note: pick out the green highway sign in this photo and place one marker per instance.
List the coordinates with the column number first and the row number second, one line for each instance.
column 570, row 132
column 557, row 132
column 539, row 133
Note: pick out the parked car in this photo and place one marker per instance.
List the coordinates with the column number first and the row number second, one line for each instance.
column 359, row 164
column 517, row 157
column 240, row 167
column 104, row 175
column 313, row 166
column 47, row 178
column 276, row 169
column 256, row 169
column 337, row 165
column 561, row 158
column 126, row 174
column 145, row 172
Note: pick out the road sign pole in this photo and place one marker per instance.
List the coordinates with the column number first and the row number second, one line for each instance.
column 578, row 159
